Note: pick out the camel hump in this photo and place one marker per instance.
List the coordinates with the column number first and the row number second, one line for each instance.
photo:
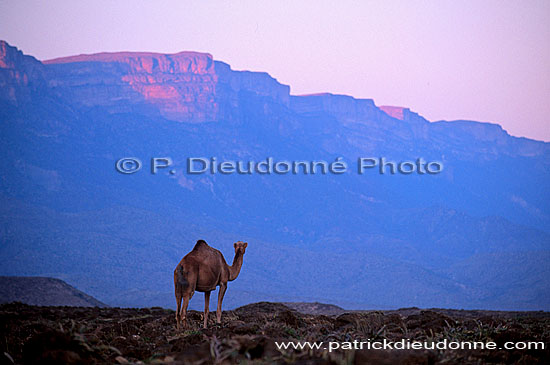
column 200, row 243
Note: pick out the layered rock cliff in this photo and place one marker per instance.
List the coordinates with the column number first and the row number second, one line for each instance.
column 20, row 75
column 192, row 87
column 185, row 87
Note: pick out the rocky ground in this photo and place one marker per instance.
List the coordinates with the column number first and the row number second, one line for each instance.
column 78, row 335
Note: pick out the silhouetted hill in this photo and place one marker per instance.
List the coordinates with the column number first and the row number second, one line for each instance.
column 43, row 292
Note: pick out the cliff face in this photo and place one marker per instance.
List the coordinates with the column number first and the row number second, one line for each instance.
column 192, row 87
column 396, row 112
column 344, row 108
column 20, row 75
column 180, row 86
column 186, row 86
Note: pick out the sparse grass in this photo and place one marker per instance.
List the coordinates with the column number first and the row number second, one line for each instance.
column 247, row 336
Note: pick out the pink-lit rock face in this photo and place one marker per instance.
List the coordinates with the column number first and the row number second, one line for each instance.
column 186, row 86
column 19, row 74
column 150, row 63
column 396, row 112
column 8, row 56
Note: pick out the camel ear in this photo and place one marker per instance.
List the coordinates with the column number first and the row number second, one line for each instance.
column 245, row 244
column 235, row 245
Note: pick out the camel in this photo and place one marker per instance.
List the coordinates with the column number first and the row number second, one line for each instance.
column 203, row 269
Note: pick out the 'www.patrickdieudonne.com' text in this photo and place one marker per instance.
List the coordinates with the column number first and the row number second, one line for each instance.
column 408, row 345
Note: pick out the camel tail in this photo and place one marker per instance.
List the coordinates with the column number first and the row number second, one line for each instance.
column 180, row 282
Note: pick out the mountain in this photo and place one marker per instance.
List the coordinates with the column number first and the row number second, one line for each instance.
column 376, row 240
column 43, row 292
column 187, row 86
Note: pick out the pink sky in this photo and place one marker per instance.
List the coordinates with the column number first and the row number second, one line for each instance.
column 479, row 60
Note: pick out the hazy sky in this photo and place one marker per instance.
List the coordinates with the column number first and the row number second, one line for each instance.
column 480, row 60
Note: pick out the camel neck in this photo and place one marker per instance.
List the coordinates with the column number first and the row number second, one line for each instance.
column 235, row 269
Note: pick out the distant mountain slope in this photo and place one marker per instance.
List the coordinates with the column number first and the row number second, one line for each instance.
column 43, row 291
column 357, row 240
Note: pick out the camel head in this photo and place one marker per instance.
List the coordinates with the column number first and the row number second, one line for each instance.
column 240, row 247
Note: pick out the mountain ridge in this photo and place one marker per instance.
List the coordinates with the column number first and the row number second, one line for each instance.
column 388, row 240
column 200, row 63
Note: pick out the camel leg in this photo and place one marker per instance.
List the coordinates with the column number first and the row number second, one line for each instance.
column 206, row 307
column 178, row 316
column 221, row 293
column 186, row 298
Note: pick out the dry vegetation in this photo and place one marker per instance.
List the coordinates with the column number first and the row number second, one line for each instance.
column 76, row 335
